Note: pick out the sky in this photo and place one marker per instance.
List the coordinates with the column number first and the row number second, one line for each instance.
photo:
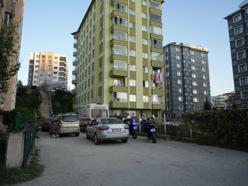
column 48, row 24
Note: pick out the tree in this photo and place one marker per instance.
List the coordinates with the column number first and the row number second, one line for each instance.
column 8, row 52
column 207, row 105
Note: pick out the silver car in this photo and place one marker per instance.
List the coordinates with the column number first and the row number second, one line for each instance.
column 67, row 123
column 107, row 129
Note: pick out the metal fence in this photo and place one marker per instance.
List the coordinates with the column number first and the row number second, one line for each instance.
column 29, row 141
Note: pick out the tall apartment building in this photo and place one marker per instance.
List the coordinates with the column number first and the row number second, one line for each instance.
column 46, row 68
column 238, row 30
column 186, row 78
column 118, row 53
column 11, row 12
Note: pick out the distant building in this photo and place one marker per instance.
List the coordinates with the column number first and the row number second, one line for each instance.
column 186, row 78
column 119, row 57
column 47, row 69
column 11, row 12
column 238, row 31
column 219, row 102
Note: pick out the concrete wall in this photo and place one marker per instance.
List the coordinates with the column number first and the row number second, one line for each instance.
column 15, row 150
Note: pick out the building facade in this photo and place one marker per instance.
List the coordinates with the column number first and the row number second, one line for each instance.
column 118, row 57
column 238, row 30
column 219, row 102
column 11, row 12
column 186, row 78
column 47, row 68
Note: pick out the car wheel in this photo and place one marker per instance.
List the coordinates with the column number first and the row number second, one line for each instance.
column 76, row 134
column 124, row 140
column 96, row 140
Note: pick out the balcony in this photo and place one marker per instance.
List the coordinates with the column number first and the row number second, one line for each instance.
column 159, row 92
column 118, row 42
column 119, row 14
column 123, row 28
column 118, row 89
column 158, row 106
column 118, row 104
column 74, row 72
column 75, row 45
column 75, row 54
column 118, row 73
column 74, row 63
column 159, row 64
column 121, row 1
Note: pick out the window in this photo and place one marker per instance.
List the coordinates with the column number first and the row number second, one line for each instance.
column 205, row 93
column 131, row 11
column 193, row 68
column 179, row 90
column 146, row 84
column 120, row 65
column 194, row 83
column 241, row 55
column 119, row 50
column 193, row 76
column 120, row 21
column 203, row 69
column 132, row 39
column 144, row 15
column 192, row 60
column 204, row 84
column 156, row 99
column 178, row 65
column 145, row 69
column 237, row 18
column 120, row 96
column 145, row 55
column 132, row 98
column 132, row 82
column 177, row 57
column 144, row 28
column 238, row 30
column 243, row 81
column 120, row 7
column 144, row 2
column 157, row 43
column 155, row 17
column 119, row 82
column 155, row 4
column 146, row 99
column 132, row 67
column 244, row 94
column 7, row 17
column 195, row 91
column 179, row 82
column 144, row 42
column 239, row 42
column 180, row 98
column 157, row 56
column 178, row 73
column 195, row 100
column 204, row 77
column 156, row 30
column 119, row 35
column 132, row 53
column 131, row 25
column 242, row 67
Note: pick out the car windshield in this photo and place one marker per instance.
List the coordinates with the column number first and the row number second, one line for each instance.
column 111, row 121
column 69, row 118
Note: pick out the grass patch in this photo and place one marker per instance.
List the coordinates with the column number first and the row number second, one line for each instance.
column 16, row 175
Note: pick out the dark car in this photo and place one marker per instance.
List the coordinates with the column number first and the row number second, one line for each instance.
column 46, row 124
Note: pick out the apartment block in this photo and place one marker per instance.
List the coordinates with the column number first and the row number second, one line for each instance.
column 119, row 56
column 11, row 12
column 219, row 102
column 47, row 69
column 186, row 78
column 238, row 30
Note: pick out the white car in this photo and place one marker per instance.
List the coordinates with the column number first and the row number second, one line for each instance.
column 107, row 129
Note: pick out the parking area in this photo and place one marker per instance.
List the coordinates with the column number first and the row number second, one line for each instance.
column 77, row 161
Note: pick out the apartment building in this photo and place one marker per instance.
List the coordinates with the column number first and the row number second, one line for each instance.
column 186, row 78
column 238, row 30
column 119, row 56
column 47, row 69
column 219, row 102
column 11, row 12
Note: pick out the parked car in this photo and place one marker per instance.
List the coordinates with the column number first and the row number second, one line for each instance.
column 67, row 123
column 46, row 124
column 107, row 129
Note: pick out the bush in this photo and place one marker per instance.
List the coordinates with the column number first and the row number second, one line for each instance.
column 227, row 128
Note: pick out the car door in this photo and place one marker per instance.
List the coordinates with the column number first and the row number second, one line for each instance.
column 90, row 131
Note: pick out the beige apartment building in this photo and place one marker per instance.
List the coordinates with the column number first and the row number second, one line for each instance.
column 47, row 69
column 119, row 57
column 11, row 11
